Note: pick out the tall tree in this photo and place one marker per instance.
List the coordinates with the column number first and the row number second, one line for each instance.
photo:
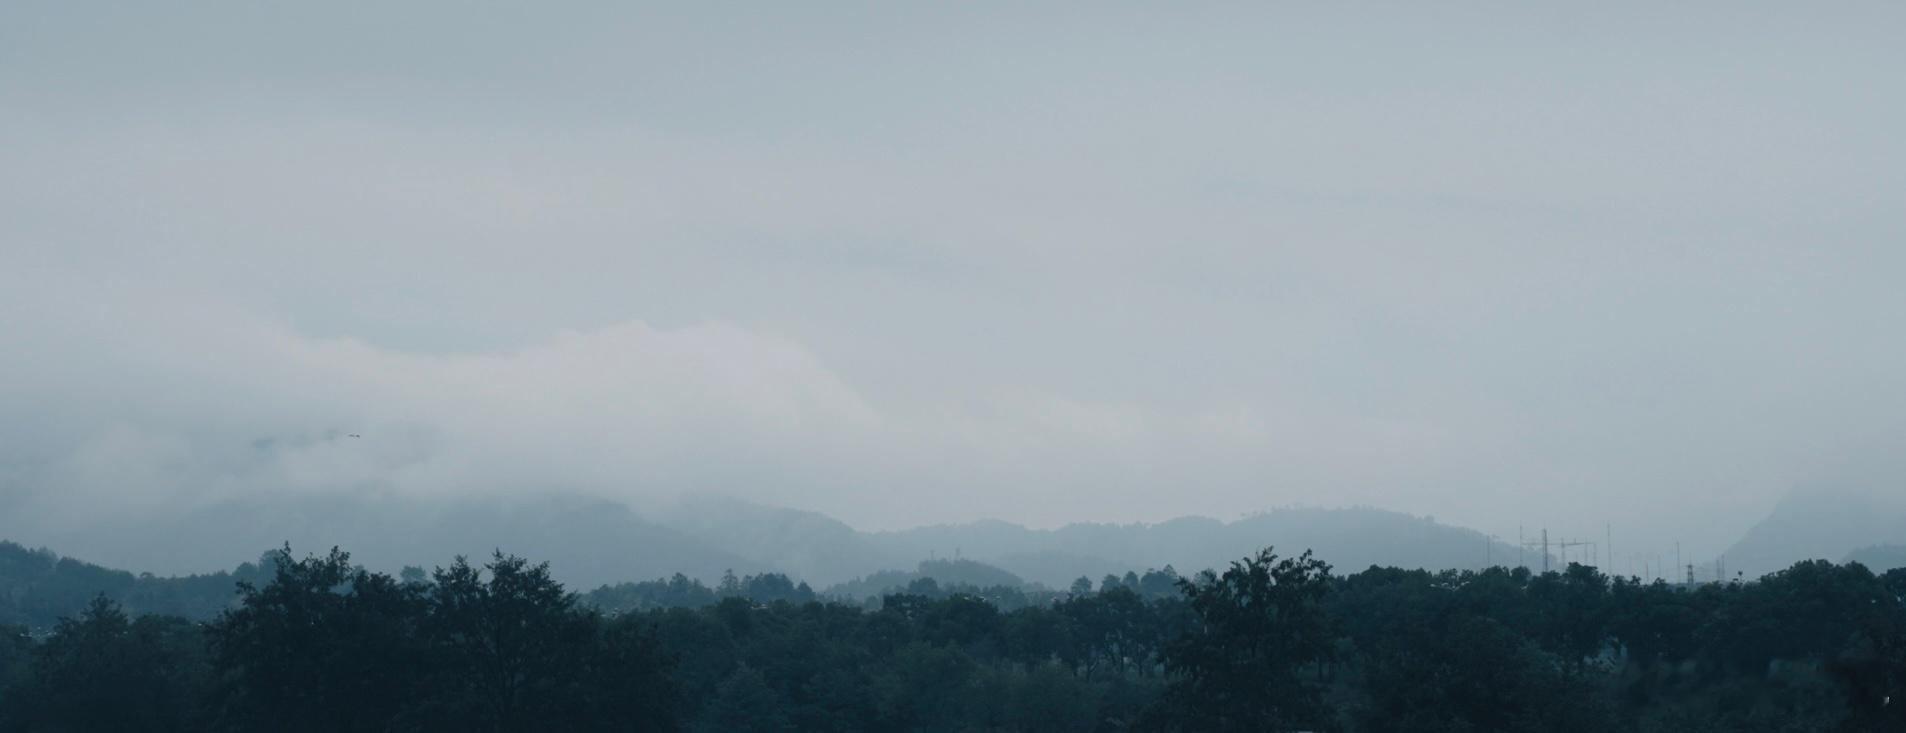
column 104, row 672
column 513, row 652
column 1256, row 629
column 322, row 647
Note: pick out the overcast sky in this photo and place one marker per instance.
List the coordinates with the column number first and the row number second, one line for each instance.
column 1497, row 263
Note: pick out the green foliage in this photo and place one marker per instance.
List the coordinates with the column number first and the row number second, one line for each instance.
column 317, row 644
column 1255, row 631
column 1472, row 673
column 16, row 649
column 956, row 573
column 744, row 703
column 328, row 647
column 103, row 671
column 322, row 647
column 682, row 591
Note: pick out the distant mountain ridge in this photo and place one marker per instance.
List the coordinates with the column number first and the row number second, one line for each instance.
column 587, row 541
column 808, row 545
column 591, row 541
column 1819, row 523
column 1349, row 539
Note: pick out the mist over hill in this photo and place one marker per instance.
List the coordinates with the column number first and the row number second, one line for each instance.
column 807, row 545
column 591, row 541
column 588, row 540
column 1819, row 523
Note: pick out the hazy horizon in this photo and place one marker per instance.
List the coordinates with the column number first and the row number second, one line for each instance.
column 1539, row 267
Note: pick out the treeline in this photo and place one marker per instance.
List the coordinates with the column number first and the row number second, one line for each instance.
column 1268, row 644
column 681, row 591
column 935, row 579
column 324, row 646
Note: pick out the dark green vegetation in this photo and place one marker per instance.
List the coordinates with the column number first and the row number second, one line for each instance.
column 1271, row 643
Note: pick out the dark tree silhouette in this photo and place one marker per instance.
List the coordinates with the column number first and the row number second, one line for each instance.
column 1256, row 629
column 322, row 647
column 104, row 672
column 1275, row 644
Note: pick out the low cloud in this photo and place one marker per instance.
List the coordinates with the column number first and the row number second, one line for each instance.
column 1570, row 275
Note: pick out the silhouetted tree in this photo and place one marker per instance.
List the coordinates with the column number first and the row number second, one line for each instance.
column 322, row 647
column 513, row 652
column 1270, row 644
column 104, row 672
column 1256, row 628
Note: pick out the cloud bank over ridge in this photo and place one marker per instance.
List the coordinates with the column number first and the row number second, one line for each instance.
column 902, row 266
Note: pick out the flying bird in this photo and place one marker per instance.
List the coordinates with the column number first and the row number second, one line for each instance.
column 355, row 435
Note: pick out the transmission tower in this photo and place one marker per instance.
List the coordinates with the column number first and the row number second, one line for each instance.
column 1565, row 544
column 1561, row 545
column 1544, row 545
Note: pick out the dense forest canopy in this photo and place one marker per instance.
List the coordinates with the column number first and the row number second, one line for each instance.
column 1268, row 643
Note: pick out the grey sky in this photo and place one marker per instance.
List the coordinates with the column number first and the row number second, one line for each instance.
column 1500, row 264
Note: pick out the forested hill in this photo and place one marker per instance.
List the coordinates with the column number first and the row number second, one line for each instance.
column 946, row 573
column 37, row 587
